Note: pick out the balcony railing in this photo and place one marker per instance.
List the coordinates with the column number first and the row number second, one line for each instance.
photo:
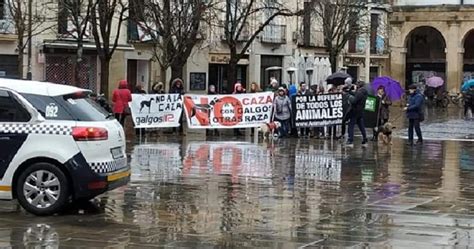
column 243, row 36
column 275, row 34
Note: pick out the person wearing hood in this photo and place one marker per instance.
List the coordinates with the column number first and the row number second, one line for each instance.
column 292, row 90
column 158, row 88
column 282, row 111
column 177, row 87
column 273, row 87
column 415, row 114
column 121, row 97
column 238, row 89
column 357, row 114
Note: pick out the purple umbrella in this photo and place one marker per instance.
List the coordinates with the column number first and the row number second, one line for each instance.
column 392, row 88
column 435, row 81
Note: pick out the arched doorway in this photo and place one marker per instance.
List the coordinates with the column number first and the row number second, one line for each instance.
column 426, row 55
column 468, row 63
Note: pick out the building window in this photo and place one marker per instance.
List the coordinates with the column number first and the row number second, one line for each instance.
column 2, row 9
column 62, row 17
column 374, row 27
column 307, row 23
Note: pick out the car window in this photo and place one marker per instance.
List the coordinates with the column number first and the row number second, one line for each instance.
column 11, row 110
column 73, row 107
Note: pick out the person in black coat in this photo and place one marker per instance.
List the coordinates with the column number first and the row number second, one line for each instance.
column 346, row 108
column 383, row 113
column 212, row 91
column 177, row 86
column 357, row 114
column 415, row 114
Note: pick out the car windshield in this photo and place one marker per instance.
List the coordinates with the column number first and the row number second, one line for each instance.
column 74, row 107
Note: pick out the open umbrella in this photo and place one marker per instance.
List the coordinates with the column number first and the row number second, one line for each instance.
column 338, row 78
column 468, row 84
column 434, row 81
column 392, row 87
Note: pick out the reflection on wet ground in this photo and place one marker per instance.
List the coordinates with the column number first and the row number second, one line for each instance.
column 188, row 193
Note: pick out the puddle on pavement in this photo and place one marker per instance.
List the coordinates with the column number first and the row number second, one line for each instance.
column 290, row 194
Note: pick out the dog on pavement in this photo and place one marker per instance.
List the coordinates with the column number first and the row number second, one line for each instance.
column 269, row 130
column 385, row 133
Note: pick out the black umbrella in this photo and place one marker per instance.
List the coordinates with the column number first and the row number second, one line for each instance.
column 337, row 78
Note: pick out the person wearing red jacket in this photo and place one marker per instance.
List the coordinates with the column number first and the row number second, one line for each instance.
column 121, row 97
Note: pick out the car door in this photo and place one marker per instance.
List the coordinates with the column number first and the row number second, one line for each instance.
column 13, row 115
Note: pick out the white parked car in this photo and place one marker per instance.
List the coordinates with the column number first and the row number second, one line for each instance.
column 56, row 146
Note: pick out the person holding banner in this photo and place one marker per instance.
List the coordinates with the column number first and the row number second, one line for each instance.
column 158, row 88
column 357, row 114
column 304, row 132
column 254, row 88
column 139, row 90
column 212, row 91
column 177, row 87
column 238, row 89
column 282, row 111
column 346, row 108
column 332, row 130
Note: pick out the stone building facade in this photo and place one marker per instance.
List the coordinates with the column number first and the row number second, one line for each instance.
column 431, row 37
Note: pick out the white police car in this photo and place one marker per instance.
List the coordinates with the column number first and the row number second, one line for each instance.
column 56, row 146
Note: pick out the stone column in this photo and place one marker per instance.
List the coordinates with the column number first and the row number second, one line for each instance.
column 254, row 70
column 453, row 56
column 398, row 64
column 397, row 51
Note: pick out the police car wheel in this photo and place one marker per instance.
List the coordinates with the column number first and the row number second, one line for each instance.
column 42, row 189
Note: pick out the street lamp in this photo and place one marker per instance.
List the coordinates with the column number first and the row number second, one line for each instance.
column 367, row 43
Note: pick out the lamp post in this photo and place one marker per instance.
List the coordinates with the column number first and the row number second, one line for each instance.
column 367, row 43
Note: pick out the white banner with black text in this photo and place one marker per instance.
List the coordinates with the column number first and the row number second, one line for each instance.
column 156, row 110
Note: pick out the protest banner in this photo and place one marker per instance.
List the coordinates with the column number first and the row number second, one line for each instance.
column 228, row 111
column 317, row 111
column 156, row 110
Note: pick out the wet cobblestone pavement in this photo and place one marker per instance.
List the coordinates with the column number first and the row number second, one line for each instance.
column 189, row 193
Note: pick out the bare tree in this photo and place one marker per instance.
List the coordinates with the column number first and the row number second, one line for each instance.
column 19, row 18
column 107, row 18
column 342, row 20
column 174, row 26
column 74, row 22
column 239, row 34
